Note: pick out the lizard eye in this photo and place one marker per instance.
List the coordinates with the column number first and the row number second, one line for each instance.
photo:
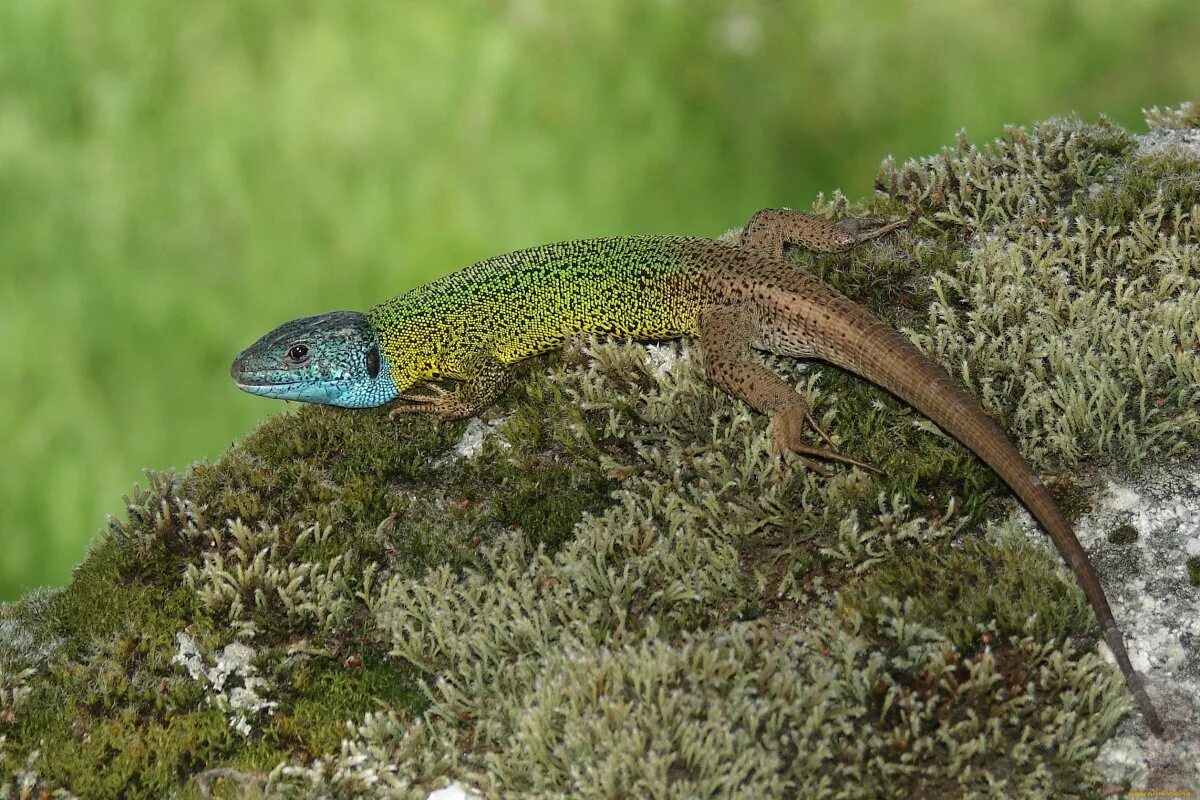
column 299, row 352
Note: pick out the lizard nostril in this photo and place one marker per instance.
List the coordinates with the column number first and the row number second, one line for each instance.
column 239, row 365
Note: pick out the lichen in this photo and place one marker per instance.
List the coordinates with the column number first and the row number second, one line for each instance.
column 231, row 682
column 617, row 587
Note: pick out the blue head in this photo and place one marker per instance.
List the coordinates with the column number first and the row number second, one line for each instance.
column 333, row 359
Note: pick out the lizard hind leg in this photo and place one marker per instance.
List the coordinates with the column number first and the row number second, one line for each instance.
column 787, row 431
column 771, row 228
column 726, row 337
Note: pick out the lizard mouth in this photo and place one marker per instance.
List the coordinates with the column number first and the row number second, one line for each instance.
column 266, row 383
column 258, row 383
column 321, row 389
column 266, row 388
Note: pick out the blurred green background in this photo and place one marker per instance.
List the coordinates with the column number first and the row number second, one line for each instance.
column 177, row 178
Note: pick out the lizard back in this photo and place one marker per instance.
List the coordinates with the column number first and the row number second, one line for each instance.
column 529, row 301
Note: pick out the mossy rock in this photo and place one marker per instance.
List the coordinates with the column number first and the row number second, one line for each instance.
column 623, row 590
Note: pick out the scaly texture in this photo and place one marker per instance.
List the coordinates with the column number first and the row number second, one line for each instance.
column 524, row 303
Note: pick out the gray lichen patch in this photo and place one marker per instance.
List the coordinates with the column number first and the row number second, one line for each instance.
column 1148, row 579
column 1171, row 128
column 617, row 587
column 232, row 682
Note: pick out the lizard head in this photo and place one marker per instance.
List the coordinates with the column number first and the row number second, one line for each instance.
column 333, row 359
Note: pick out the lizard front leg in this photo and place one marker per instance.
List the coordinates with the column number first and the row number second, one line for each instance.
column 727, row 334
column 486, row 382
column 771, row 228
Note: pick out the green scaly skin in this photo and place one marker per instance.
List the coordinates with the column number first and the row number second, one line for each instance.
column 521, row 304
column 735, row 297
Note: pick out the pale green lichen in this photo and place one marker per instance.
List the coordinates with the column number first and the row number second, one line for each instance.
column 753, row 710
column 624, row 590
column 247, row 573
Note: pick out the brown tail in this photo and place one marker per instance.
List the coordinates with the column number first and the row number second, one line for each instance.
column 884, row 357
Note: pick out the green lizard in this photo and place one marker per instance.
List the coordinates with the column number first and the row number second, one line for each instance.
column 735, row 297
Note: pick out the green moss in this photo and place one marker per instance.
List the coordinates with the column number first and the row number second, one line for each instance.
column 977, row 592
column 1193, row 570
column 542, row 479
column 145, row 734
column 1162, row 179
column 1026, row 177
column 627, row 589
column 891, row 277
column 326, row 692
column 919, row 461
column 1123, row 534
column 519, row 502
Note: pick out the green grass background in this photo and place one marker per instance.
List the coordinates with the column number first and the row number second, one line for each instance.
column 177, row 178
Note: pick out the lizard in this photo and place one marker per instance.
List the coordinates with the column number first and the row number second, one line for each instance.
column 734, row 296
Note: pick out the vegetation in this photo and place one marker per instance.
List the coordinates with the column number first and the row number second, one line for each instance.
column 177, row 178
column 625, row 590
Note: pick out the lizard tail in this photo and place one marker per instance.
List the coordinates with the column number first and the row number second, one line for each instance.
column 887, row 359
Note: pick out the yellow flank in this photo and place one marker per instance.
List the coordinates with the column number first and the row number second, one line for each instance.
column 528, row 302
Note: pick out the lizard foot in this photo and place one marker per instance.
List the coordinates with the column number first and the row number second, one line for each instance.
column 864, row 229
column 787, row 431
column 444, row 405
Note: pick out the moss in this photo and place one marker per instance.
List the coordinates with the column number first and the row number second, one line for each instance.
column 982, row 592
column 626, row 590
column 1123, row 534
column 1193, row 570
column 1185, row 116
column 1026, row 177
column 1163, row 179
column 534, row 483
column 144, row 735
column 326, row 690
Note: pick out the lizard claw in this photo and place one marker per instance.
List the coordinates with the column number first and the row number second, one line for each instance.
column 812, row 423
column 863, row 229
column 829, row 455
column 816, row 467
column 787, row 427
column 440, row 403
column 409, row 408
column 443, row 408
column 414, row 408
